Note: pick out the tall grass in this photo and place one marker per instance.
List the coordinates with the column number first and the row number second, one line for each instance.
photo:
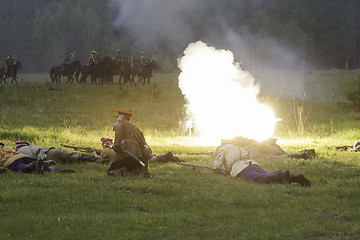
column 177, row 202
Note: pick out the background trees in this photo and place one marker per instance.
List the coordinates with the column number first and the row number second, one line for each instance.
column 325, row 34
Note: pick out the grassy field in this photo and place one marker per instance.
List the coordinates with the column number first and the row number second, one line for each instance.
column 177, row 202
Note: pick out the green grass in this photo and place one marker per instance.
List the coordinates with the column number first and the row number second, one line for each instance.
column 177, row 202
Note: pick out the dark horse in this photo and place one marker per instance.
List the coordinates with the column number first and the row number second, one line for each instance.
column 94, row 72
column 12, row 73
column 146, row 72
column 57, row 72
column 122, row 69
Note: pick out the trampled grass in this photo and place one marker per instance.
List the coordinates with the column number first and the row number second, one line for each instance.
column 177, row 202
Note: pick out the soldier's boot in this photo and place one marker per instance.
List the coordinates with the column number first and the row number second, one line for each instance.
column 142, row 171
column 34, row 166
column 299, row 178
column 88, row 158
column 279, row 176
column 59, row 170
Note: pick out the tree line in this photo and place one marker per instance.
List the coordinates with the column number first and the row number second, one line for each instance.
column 39, row 32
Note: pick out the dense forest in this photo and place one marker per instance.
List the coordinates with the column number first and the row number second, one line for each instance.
column 323, row 34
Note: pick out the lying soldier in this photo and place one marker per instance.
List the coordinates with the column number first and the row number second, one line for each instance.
column 267, row 147
column 19, row 162
column 55, row 154
column 235, row 159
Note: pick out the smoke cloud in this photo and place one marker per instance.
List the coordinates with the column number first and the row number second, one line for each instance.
column 155, row 25
column 222, row 98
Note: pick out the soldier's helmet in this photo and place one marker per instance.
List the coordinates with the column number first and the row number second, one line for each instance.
column 117, row 50
column 94, row 52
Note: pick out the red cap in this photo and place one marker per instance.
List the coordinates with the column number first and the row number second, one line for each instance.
column 124, row 112
column 22, row 143
column 106, row 139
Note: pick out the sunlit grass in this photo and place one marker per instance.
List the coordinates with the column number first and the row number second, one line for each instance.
column 177, row 202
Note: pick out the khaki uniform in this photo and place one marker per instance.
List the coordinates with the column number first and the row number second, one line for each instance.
column 67, row 60
column 130, row 138
column 55, row 154
column 8, row 156
column 233, row 157
column 107, row 154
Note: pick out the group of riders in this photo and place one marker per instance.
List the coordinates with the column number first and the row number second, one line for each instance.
column 103, row 64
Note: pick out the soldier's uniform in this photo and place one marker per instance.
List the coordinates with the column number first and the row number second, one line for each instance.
column 10, row 61
column 66, row 62
column 117, row 57
column 108, row 153
column 19, row 162
column 92, row 60
column 130, row 138
column 239, row 164
column 54, row 154
column 142, row 60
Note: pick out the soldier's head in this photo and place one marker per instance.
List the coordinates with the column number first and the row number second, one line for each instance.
column 123, row 114
column 93, row 52
column 21, row 144
column 106, row 142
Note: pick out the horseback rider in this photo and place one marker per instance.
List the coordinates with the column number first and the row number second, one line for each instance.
column 10, row 61
column 93, row 60
column 117, row 56
column 66, row 62
column 142, row 60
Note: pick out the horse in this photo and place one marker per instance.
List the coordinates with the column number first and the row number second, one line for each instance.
column 106, row 69
column 146, row 72
column 12, row 73
column 57, row 72
column 2, row 74
column 123, row 70
column 84, row 71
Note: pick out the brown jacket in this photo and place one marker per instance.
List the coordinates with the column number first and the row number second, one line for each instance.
column 128, row 137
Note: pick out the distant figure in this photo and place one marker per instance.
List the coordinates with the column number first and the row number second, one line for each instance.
column 93, row 60
column 10, row 61
column 117, row 56
column 66, row 62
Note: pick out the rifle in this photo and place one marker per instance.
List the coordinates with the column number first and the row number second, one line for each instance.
column 72, row 56
column 84, row 149
column 200, row 153
column 221, row 171
column 345, row 148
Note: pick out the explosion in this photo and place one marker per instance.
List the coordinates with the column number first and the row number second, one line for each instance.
column 222, row 99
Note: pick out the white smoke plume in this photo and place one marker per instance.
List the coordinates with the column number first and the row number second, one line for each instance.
column 222, row 98
column 153, row 24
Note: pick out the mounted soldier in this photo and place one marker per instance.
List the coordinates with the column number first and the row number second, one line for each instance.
column 142, row 60
column 93, row 61
column 10, row 61
column 117, row 57
column 66, row 62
